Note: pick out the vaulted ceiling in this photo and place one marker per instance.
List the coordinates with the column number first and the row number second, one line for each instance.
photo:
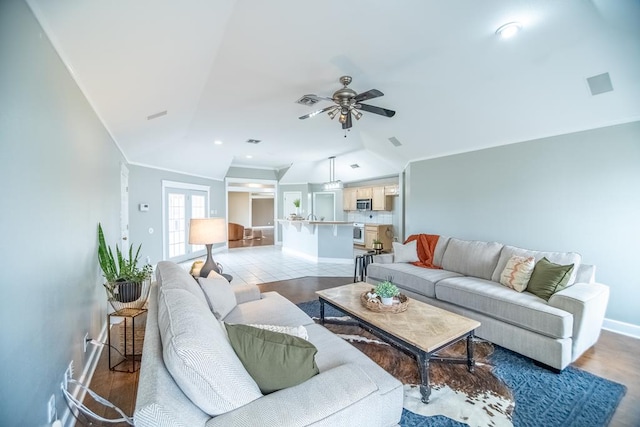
column 231, row 70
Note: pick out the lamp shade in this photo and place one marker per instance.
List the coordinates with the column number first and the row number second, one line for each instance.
column 206, row 231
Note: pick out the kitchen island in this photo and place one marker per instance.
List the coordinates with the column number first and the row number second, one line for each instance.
column 319, row 241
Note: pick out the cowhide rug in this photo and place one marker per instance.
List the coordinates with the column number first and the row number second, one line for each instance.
column 477, row 399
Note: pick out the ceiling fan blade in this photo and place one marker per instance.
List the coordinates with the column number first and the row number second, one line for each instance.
column 315, row 113
column 319, row 98
column 347, row 124
column 370, row 94
column 376, row 110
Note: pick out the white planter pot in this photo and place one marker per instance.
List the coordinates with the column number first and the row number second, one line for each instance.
column 387, row 301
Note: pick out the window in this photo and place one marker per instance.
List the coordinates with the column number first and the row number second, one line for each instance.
column 181, row 202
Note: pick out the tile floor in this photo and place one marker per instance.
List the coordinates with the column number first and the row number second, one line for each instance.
column 263, row 264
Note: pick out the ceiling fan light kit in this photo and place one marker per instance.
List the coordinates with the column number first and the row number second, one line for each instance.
column 348, row 103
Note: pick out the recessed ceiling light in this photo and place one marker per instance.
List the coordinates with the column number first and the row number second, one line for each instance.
column 217, row 142
column 509, row 30
column 249, row 156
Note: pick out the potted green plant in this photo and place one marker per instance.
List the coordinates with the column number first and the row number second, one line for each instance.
column 386, row 291
column 124, row 277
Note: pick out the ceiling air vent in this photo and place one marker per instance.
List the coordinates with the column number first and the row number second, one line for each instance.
column 253, row 141
column 156, row 115
column 395, row 141
column 307, row 100
column 355, row 166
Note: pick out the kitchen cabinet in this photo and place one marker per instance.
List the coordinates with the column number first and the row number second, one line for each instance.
column 382, row 232
column 378, row 199
column 390, row 190
column 349, row 197
column 364, row 193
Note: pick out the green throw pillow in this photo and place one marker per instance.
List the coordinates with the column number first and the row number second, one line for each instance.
column 273, row 359
column 548, row 278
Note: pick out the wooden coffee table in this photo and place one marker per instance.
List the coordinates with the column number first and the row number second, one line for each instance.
column 421, row 330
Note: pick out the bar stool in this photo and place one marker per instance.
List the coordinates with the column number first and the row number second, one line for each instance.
column 360, row 267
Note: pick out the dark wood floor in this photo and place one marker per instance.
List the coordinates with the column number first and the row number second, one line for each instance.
column 614, row 357
column 266, row 240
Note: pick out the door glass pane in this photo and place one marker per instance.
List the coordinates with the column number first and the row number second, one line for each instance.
column 176, row 224
column 198, row 210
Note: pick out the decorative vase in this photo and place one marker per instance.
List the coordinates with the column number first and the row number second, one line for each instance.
column 128, row 294
column 387, row 301
column 128, row 291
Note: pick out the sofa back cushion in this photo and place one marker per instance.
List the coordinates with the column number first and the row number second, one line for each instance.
column 471, row 257
column 198, row 355
column 171, row 276
column 438, row 252
column 562, row 258
column 219, row 294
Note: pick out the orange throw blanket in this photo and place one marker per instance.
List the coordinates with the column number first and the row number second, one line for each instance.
column 426, row 246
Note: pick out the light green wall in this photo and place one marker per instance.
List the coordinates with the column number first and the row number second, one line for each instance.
column 577, row 192
column 61, row 176
column 251, row 173
column 145, row 186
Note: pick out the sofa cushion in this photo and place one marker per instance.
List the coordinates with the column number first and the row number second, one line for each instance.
column 521, row 309
column 272, row 309
column 563, row 258
column 275, row 360
column 548, row 278
column 171, row 276
column 333, row 353
column 405, row 253
column 517, row 272
column 200, row 359
column 218, row 293
column 441, row 246
column 471, row 257
column 417, row 279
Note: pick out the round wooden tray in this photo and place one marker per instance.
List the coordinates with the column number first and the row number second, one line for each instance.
column 400, row 304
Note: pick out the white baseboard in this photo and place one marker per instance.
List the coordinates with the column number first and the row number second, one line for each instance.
column 68, row 420
column 623, row 328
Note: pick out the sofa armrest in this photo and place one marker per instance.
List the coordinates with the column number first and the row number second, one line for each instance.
column 383, row 258
column 588, row 304
column 246, row 293
column 314, row 400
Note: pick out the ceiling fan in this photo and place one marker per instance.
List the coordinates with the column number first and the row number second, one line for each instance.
column 348, row 103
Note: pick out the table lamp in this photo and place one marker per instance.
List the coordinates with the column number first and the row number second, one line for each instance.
column 207, row 231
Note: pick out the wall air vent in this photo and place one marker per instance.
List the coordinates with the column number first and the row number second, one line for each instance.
column 355, row 166
column 395, row 141
column 156, row 115
column 307, row 100
column 253, row 141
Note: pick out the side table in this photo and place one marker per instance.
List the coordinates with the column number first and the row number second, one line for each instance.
column 126, row 313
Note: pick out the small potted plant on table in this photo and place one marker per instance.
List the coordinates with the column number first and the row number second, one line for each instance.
column 386, row 291
column 124, row 278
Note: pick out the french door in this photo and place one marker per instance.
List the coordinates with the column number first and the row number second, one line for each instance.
column 180, row 205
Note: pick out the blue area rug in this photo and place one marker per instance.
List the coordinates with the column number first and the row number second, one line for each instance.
column 573, row 398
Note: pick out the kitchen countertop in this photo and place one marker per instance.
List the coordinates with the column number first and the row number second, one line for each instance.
column 315, row 222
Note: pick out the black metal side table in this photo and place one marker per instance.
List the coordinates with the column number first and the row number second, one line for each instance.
column 126, row 313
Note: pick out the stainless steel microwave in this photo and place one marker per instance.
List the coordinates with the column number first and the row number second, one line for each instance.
column 363, row 204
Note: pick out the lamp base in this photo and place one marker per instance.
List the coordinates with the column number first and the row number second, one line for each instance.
column 209, row 264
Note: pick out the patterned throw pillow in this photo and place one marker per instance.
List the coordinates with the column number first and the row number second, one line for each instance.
column 517, row 272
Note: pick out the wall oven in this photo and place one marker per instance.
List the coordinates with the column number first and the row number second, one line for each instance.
column 363, row 204
column 358, row 233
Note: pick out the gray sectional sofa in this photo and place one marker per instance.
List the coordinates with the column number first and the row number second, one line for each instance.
column 554, row 332
column 188, row 364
